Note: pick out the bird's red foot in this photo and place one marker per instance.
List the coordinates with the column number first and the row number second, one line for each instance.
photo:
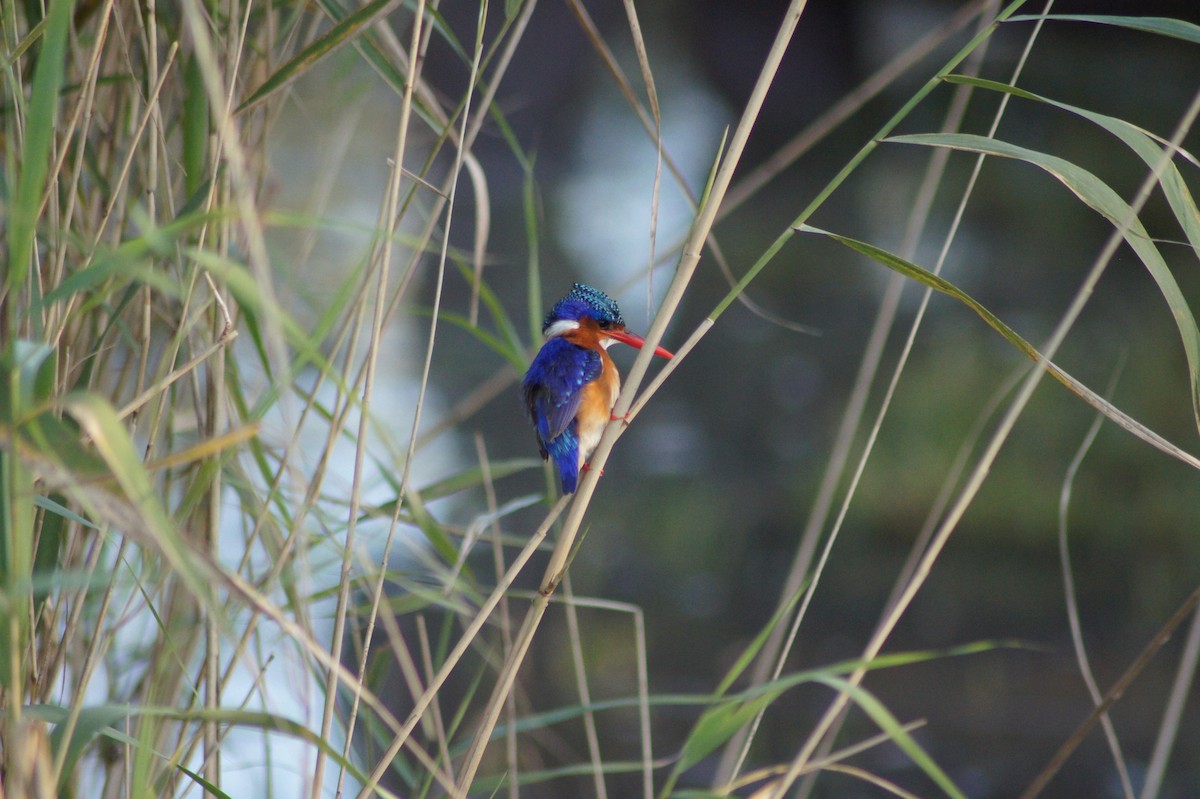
column 612, row 417
column 587, row 467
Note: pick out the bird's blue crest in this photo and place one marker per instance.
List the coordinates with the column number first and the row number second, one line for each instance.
column 583, row 300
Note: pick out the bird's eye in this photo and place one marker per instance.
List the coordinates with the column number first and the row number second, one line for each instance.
column 604, row 324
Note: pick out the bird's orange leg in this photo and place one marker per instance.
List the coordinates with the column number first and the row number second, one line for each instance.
column 587, row 467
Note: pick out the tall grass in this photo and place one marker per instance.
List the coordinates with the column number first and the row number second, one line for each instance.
column 228, row 562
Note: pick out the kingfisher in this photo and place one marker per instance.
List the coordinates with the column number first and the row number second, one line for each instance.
column 572, row 385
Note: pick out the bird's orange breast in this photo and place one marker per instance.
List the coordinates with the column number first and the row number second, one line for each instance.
column 595, row 406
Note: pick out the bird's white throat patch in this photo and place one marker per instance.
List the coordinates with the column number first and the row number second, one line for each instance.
column 561, row 328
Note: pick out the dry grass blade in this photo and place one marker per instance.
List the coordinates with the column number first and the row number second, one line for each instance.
column 1176, row 702
column 831, row 760
column 650, row 120
column 639, row 47
column 483, row 225
column 585, row 694
column 1072, row 603
column 1143, row 659
column 849, row 105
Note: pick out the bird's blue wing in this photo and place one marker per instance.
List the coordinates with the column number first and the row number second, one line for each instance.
column 553, row 386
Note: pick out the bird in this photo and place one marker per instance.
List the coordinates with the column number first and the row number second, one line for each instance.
column 572, row 384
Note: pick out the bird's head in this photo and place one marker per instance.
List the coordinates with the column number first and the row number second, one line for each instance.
column 586, row 309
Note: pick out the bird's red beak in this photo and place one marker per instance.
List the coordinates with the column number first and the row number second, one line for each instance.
column 636, row 341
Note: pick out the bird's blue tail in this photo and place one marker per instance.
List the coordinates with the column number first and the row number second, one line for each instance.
column 565, row 452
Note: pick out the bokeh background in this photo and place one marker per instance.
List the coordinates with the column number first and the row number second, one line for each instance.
column 702, row 507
